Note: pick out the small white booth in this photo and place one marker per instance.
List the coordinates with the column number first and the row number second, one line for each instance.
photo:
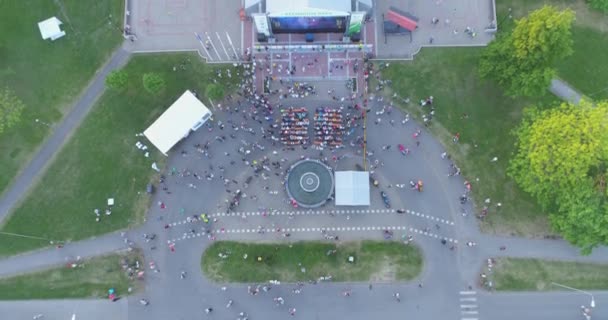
column 352, row 188
column 186, row 114
column 49, row 29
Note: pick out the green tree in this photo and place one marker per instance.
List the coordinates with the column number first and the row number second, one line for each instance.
column 214, row 92
column 523, row 61
column 562, row 159
column 153, row 83
column 11, row 108
column 117, row 79
column 601, row 5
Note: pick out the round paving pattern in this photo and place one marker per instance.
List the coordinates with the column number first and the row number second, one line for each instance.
column 310, row 183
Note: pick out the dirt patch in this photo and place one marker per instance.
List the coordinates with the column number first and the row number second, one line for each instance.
column 386, row 271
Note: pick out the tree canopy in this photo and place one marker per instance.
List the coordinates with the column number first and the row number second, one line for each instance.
column 117, row 79
column 523, row 60
column 153, row 83
column 562, row 160
column 11, row 108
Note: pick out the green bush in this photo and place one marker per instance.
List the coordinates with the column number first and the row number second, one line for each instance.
column 11, row 108
column 117, row 79
column 153, row 83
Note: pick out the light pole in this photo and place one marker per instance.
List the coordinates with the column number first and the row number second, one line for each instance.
column 591, row 304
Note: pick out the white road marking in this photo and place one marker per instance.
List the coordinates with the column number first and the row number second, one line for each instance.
column 213, row 45
column 468, row 299
column 467, row 292
column 469, row 312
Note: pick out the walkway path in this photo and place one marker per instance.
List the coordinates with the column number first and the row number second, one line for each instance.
column 564, row 91
column 64, row 309
column 60, row 135
column 42, row 259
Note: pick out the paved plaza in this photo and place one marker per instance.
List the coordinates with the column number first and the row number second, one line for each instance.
column 233, row 170
column 215, row 29
column 453, row 19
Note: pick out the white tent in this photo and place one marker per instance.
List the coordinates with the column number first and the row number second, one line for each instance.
column 49, row 29
column 184, row 115
column 352, row 188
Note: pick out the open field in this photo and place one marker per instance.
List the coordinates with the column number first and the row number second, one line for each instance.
column 512, row 274
column 374, row 261
column 48, row 76
column 90, row 278
column 101, row 160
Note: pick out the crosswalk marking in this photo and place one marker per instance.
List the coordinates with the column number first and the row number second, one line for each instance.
column 317, row 212
column 469, row 309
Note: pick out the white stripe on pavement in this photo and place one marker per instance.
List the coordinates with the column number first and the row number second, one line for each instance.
column 468, row 292
column 468, row 299
column 469, row 312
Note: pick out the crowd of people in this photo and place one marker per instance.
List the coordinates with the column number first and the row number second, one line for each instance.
column 251, row 122
column 294, row 126
column 329, row 128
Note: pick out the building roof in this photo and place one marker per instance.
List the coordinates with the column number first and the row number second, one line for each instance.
column 307, row 7
column 185, row 114
column 352, row 188
column 49, row 28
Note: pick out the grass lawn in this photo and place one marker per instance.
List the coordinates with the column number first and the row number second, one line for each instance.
column 450, row 76
column 513, row 274
column 101, row 160
column 48, row 75
column 585, row 69
column 89, row 279
column 374, row 261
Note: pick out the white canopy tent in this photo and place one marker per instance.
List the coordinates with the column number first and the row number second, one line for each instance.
column 352, row 188
column 186, row 114
column 49, row 29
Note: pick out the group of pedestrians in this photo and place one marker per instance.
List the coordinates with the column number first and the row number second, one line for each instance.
column 243, row 147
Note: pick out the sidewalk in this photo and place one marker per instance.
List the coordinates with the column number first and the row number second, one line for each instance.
column 538, row 249
column 564, row 91
column 60, row 134
column 46, row 258
column 64, row 309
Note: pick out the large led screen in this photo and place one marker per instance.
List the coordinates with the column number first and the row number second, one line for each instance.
column 308, row 24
